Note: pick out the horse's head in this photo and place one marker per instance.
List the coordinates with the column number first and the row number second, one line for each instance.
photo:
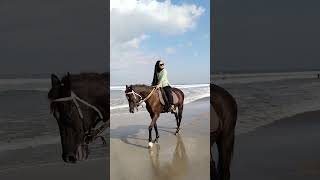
column 133, row 98
column 71, row 125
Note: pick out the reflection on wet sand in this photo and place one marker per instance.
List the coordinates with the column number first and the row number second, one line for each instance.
column 177, row 168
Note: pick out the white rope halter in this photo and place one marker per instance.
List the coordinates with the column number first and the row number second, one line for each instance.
column 141, row 98
column 74, row 98
column 134, row 95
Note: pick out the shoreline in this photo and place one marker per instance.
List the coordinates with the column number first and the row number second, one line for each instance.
column 285, row 149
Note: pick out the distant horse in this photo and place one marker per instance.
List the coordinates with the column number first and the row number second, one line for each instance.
column 137, row 94
column 79, row 103
column 222, row 130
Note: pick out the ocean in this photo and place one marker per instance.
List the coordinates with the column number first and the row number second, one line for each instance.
column 119, row 103
column 263, row 98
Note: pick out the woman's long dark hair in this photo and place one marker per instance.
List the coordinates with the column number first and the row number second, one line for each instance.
column 156, row 70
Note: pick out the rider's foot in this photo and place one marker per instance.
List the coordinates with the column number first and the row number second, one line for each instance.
column 173, row 109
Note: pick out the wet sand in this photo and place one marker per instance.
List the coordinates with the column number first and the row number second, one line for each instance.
column 184, row 157
column 45, row 162
column 91, row 169
column 287, row 149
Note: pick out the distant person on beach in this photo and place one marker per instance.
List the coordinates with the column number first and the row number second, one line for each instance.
column 318, row 76
column 160, row 79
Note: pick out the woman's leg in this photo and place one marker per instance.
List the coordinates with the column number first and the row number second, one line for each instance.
column 167, row 89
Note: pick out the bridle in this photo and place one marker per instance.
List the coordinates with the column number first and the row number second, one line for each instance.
column 91, row 134
column 74, row 98
column 141, row 100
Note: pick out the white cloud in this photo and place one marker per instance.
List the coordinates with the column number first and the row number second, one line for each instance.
column 132, row 18
column 170, row 50
column 133, row 21
column 135, row 42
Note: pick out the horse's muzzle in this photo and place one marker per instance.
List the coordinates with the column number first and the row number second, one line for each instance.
column 69, row 158
column 81, row 154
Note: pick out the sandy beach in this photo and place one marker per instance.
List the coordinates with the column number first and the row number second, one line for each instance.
column 185, row 156
column 286, row 149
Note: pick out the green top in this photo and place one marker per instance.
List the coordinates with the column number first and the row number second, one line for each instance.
column 163, row 78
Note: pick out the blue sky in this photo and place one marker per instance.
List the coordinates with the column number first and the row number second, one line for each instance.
column 140, row 35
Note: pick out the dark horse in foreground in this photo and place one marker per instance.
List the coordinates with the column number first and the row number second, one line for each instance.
column 79, row 103
column 137, row 94
column 223, row 117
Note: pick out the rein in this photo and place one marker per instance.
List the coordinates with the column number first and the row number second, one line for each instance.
column 91, row 134
column 141, row 99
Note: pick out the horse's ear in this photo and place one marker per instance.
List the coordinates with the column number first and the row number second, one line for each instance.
column 126, row 86
column 68, row 81
column 55, row 81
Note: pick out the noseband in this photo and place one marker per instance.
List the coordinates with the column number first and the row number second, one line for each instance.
column 91, row 134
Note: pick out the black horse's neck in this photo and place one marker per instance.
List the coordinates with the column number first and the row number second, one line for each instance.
column 142, row 90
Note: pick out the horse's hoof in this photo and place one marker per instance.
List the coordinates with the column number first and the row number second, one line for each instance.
column 150, row 145
column 156, row 141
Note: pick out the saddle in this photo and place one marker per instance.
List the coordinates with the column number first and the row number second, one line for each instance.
column 162, row 95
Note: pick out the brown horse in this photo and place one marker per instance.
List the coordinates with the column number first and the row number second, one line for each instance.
column 136, row 94
column 222, row 130
column 79, row 103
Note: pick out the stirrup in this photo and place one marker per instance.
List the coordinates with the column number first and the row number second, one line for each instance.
column 173, row 109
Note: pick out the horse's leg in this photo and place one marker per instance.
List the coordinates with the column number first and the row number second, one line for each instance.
column 157, row 133
column 213, row 169
column 179, row 117
column 154, row 119
column 225, row 147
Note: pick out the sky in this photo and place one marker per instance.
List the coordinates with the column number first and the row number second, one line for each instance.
column 146, row 30
column 267, row 35
column 53, row 36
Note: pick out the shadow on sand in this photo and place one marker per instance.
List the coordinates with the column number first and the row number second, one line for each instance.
column 177, row 167
column 130, row 132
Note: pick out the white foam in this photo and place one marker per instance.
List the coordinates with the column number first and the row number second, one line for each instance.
column 192, row 93
column 180, row 86
column 31, row 142
column 260, row 77
column 20, row 81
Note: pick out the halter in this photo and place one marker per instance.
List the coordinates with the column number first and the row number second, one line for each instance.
column 91, row 134
column 141, row 98
column 74, row 98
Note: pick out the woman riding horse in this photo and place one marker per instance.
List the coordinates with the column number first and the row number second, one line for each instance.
column 160, row 79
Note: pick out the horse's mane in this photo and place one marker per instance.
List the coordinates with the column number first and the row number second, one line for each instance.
column 141, row 85
column 88, row 76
